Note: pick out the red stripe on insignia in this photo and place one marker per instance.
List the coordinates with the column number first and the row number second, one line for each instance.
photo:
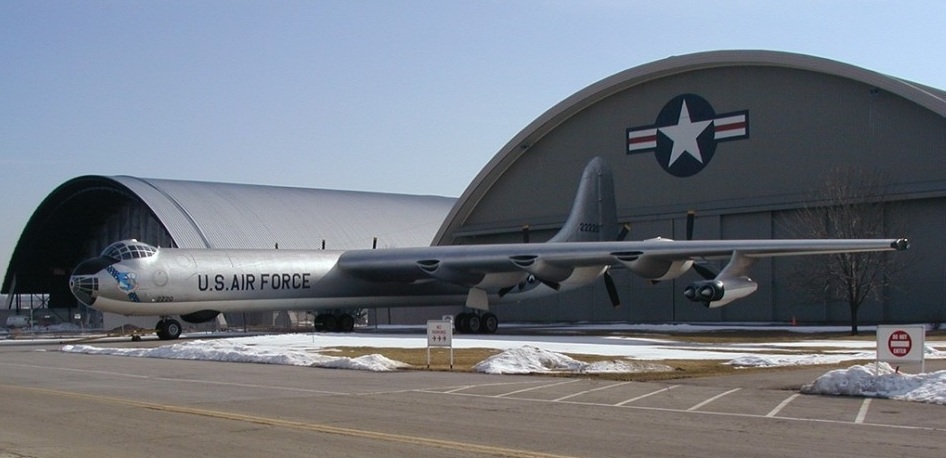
column 635, row 140
column 642, row 140
column 733, row 126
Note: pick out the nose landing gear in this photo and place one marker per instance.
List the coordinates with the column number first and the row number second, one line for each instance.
column 168, row 329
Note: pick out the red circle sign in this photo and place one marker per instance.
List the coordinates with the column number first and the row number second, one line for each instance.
column 899, row 343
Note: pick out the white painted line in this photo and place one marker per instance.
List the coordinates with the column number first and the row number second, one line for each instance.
column 782, row 405
column 459, row 389
column 536, row 388
column 703, row 412
column 696, row 407
column 862, row 414
column 589, row 391
column 646, row 395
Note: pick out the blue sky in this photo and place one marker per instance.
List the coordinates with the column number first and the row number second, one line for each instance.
column 392, row 96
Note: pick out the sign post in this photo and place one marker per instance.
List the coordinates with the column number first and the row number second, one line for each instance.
column 901, row 344
column 440, row 334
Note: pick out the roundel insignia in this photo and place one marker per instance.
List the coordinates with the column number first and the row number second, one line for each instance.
column 685, row 134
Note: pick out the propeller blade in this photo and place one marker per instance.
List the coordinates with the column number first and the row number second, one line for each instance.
column 552, row 284
column 691, row 216
column 525, row 234
column 625, row 229
column 504, row 291
column 704, row 271
column 701, row 269
column 612, row 290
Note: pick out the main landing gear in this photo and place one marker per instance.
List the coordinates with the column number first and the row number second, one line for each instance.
column 168, row 329
column 476, row 323
column 334, row 322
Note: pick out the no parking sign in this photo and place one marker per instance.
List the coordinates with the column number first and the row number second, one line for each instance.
column 901, row 344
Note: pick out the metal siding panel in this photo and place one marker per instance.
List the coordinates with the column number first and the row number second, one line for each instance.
column 224, row 215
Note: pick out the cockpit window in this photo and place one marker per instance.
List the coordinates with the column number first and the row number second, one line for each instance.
column 129, row 249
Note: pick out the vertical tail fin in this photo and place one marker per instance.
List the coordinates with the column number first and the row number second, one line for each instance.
column 593, row 217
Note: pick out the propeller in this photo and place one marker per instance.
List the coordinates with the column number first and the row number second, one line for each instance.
column 608, row 279
column 625, row 229
column 701, row 269
column 691, row 216
column 612, row 290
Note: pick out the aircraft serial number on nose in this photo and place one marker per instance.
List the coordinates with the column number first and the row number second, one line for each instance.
column 252, row 282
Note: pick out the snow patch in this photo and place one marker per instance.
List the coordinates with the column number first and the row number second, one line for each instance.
column 531, row 360
column 881, row 381
column 795, row 360
column 229, row 351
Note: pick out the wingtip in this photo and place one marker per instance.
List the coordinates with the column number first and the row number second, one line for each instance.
column 900, row 244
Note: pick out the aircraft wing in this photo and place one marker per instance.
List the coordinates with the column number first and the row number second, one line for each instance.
column 466, row 264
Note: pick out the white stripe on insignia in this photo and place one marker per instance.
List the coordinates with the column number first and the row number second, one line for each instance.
column 730, row 126
column 642, row 139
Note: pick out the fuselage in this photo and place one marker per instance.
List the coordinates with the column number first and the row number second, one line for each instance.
column 149, row 281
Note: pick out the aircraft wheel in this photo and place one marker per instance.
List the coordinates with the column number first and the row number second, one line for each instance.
column 489, row 323
column 161, row 330
column 462, row 322
column 172, row 329
column 474, row 324
column 329, row 324
column 346, row 323
column 319, row 322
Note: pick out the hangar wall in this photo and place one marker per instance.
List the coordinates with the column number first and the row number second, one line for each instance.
column 800, row 118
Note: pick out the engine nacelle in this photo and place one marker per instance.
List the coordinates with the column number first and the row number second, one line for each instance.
column 719, row 292
column 652, row 267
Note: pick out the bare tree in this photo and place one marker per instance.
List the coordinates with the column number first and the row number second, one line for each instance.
column 850, row 205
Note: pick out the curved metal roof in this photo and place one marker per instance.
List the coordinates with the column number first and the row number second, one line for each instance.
column 224, row 215
column 927, row 97
column 210, row 215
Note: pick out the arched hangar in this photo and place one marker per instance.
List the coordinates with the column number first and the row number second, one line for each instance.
column 745, row 139
column 86, row 214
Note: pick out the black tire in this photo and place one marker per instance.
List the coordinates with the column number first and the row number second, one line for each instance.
column 474, row 324
column 346, row 323
column 161, row 331
column 329, row 324
column 319, row 322
column 489, row 323
column 172, row 329
column 462, row 323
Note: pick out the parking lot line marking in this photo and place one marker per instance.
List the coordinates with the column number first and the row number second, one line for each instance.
column 455, row 390
column 589, row 391
column 782, row 405
column 443, row 444
column 701, row 412
column 862, row 413
column 536, row 388
column 646, row 395
column 697, row 407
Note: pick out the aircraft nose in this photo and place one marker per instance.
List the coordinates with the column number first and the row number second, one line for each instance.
column 84, row 281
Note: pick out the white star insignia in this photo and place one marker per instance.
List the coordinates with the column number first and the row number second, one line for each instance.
column 684, row 136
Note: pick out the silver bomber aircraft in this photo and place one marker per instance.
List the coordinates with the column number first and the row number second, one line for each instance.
column 134, row 278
